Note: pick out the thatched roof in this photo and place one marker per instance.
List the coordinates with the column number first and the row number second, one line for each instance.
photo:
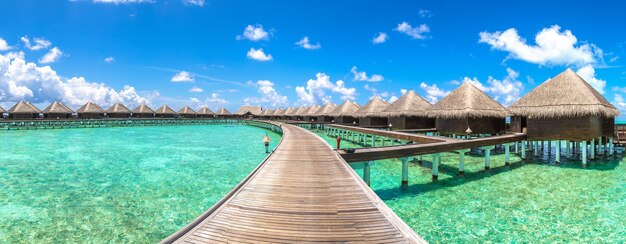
column 300, row 111
column 143, row 109
column 2, row 110
column 312, row 110
column 278, row 111
column 90, row 108
column 289, row 111
column 254, row 110
column 186, row 110
column 165, row 110
column 467, row 101
column 566, row 95
column 23, row 107
column 223, row 111
column 347, row 108
column 118, row 108
column 57, row 108
column 267, row 112
column 409, row 104
column 205, row 111
column 326, row 109
column 373, row 108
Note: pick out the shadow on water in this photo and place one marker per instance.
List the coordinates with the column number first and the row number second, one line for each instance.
column 609, row 163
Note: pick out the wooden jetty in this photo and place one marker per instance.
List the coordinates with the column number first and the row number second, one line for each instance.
column 303, row 192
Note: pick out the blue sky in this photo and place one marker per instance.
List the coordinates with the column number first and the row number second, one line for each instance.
column 230, row 53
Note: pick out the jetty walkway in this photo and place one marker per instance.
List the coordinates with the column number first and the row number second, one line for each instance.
column 303, row 192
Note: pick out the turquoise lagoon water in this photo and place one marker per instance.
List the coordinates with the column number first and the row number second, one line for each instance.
column 529, row 202
column 119, row 185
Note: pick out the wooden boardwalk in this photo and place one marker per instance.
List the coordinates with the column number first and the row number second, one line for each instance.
column 303, row 192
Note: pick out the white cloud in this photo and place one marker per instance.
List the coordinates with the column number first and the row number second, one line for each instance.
column 268, row 93
column 182, row 76
column 553, row 47
column 258, row 54
column 116, row 2
column 403, row 91
column 393, row 99
column 380, row 38
column 362, row 76
column 254, row 33
column 109, row 60
column 23, row 80
column 304, row 43
column 588, row 73
column 52, row 56
column 433, row 93
column 194, row 2
column 425, row 13
column 619, row 102
column 40, row 43
column 196, row 89
column 376, row 93
column 506, row 91
column 315, row 90
column 414, row 32
column 4, row 45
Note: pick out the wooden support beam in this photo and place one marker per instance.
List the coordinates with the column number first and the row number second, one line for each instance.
column 405, row 171
column 436, row 159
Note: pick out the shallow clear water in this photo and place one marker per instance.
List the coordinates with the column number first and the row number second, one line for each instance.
column 530, row 201
column 120, row 185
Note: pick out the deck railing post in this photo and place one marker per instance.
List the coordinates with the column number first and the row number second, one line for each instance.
column 488, row 156
column 405, row 171
column 436, row 159
column 583, row 149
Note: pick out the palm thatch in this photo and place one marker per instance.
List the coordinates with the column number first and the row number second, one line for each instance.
column 373, row 108
column 288, row 111
column 267, row 112
column 565, row 96
column 57, row 108
column 347, row 108
column 143, row 109
column 90, row 108
column 467, row 101
column 223, row 112
column 326, row 109
column 205, row 111
column 409, row 104
column 118, row 108
column 254, row 110
column 2, row 110
column 165, row 110
column 278, row 112
column 23, row 107
column 186, row 110
column 312, row 110
column 300, row 111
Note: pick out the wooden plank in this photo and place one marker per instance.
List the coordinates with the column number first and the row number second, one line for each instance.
column 377, row 153
column 302, row 193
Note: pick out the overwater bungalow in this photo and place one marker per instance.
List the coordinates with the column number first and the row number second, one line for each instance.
column 323, row 114
column 565, row 107
column 468, row 110
column 409, row 112
column 165, row 112
column 187, row 112
column 90, row 111
column 118, row 110
column 143, row 111
column 277, row 113
column 57, row 110
column 205, row 112
column 287, row 115
column 2, row 112
column 249, row 111
column 309, row 113
column 267, row 113
column 299, row 113
column 24, row 110
column 344, row 114
column 223, row 113
column 371, row 114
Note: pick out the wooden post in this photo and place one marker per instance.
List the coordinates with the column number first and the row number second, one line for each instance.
column 592, row 153
column 488, row 156
column 568, row 150
column 516, row 148
column 536, row 145
column 366, row 172
column 436, row 158
column 583, row 150
column 462, row 160
column 600, row 146
column 507, row 160
column 610, row 146
column 405, row 171
column 523, row 156
column 558, row 151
